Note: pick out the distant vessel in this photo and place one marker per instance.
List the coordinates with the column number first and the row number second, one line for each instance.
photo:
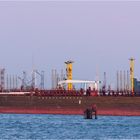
column 69, row 101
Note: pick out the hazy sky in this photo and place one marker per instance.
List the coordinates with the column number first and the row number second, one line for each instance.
column 98, row 36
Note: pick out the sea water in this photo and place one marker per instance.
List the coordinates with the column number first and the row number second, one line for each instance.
column 14, row 126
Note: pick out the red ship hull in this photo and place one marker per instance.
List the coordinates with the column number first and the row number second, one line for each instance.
column 69, row 111
column 106, row 105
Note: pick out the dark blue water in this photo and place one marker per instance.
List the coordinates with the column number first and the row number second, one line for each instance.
column 14, row 126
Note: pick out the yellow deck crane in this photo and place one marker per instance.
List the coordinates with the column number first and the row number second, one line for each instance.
column 69, row 73
column 132, row 74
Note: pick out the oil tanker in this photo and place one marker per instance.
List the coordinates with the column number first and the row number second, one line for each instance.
column 70, row 101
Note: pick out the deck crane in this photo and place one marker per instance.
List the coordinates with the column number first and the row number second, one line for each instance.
column 132, row 74
column 69, row 73
column 42, row 78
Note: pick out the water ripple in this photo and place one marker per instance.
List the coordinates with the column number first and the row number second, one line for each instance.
column 13, row 126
